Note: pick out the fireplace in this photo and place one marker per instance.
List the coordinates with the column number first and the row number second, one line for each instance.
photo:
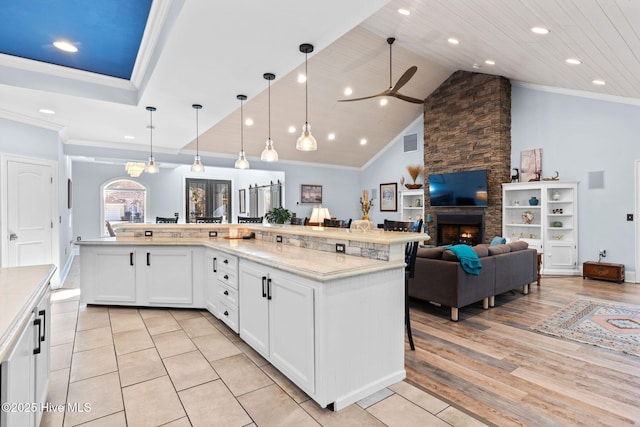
column 460, row 228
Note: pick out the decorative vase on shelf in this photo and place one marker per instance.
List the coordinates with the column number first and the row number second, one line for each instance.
column 555, row 195
column 533, row 201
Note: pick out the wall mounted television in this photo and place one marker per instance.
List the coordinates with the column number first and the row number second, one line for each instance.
column 458, row 189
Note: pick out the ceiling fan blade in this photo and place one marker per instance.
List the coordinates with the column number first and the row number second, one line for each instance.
column 383, row 93
column 405, row 78
column 408, row 98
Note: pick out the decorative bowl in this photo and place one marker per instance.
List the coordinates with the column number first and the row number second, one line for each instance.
column 556, row 224
column 413, row 186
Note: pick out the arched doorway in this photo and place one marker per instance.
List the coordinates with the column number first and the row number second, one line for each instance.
column 123, row 200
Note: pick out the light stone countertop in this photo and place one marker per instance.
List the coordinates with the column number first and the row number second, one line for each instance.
column 20, row 290
column 316, row 265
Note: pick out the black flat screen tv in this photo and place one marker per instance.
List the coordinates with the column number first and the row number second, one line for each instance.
column 458, row 189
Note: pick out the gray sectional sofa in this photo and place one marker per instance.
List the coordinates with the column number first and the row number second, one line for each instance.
column 440, row 278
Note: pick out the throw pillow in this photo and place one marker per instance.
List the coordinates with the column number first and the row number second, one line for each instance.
column 498, row 240
column 518, row 245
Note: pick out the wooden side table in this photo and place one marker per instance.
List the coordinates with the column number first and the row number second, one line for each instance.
column 539, row 266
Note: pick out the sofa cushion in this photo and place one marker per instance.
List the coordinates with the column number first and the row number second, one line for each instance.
column 449, row 256
column 433, row 253
column 498, row 240
column 499, row 249
column 518, row 245
column 481, row 250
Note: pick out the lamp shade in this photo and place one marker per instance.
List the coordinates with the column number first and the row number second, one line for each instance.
column 318, row 215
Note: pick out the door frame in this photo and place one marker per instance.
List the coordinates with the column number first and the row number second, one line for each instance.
column 4, row 213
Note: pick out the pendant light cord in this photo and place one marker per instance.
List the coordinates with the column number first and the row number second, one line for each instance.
column 390, row 70
column 242, row 125
column 151, row 132
column 197, row 136
column 269, row 92
column 306, row 92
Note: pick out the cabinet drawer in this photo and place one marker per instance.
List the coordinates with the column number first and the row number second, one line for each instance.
column 228, row 278
column 228, row 294
column 227, row 262
column 229, row 315
column 603, row 271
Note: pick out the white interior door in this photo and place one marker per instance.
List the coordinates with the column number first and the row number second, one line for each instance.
column 29, row 213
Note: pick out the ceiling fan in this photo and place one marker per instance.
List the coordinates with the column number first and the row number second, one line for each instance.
column 393, row 90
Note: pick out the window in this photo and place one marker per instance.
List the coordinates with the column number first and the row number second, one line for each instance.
column 207, row 197
column 123, row 200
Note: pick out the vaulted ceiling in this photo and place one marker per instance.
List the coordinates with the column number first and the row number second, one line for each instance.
column 205, row 52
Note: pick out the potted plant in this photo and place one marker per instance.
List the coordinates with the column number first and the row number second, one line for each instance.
column 279, row 215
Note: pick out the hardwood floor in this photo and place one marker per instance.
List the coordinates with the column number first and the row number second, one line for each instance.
column 493, row 365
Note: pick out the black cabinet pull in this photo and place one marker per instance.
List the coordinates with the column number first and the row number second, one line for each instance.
column 226, row 277
column 226, row 261
column 38, row 323
column 264, row 281
column 269, row 288
column 44, row 324
column 215, row 265
column 148, row 258
column 226, row 292
column 226, row 313
column 130, row 258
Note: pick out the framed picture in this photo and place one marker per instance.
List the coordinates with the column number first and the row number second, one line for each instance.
column 310, row 193
column 243, row 205
column 531, row 165
column 388, row 197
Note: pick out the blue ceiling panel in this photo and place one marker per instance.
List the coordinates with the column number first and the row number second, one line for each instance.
column 107, row 33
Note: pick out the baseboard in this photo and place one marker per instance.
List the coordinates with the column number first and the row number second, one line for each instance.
column 64, row 272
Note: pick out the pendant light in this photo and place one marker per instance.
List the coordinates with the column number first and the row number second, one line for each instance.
column 242, row 162
column 197, row 165
column 306, row 141
column 151, row 167
column 269, row 154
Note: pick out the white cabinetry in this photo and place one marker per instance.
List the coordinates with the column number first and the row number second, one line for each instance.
column 225, row 268
column 277, row 320
column 553, row 228
column 25, row 373
column 412, row 205
column 142, row 275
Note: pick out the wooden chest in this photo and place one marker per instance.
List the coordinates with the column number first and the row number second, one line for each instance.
column 603, row 271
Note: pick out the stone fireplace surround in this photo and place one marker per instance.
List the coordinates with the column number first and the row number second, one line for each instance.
column 467, row 126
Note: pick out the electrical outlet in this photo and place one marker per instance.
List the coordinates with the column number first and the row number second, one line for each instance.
column 603, row 253
column 213, row 234
column 629, row 217
column 278, row 239
column 148, row 233
column 340, row 248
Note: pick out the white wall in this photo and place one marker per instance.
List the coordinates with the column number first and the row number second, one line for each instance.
column 580, row 135
column 390, row 166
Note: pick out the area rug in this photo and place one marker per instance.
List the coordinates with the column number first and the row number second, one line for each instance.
column 612, row 326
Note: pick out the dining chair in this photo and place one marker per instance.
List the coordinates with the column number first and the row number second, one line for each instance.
column 166, row 220
column 249, row 220
column 336, row 223
column 299, row 220
column 208, row 220
column 411, row 249
column 110, row 229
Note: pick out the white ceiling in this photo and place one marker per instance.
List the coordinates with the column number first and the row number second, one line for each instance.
column 199, row 51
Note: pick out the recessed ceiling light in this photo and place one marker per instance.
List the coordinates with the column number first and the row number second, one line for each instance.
column 540, row 30
column 65, row 46
column 476, row 66
column 599, row 82
column 46, row 111
column 129, row 137
column 248, row 122
column 405, row 12
column 573, row 61
column 453, row 41
column 383, row 102
column 302, row 78
column 348, row 91
column 292, row 129
column 363, row 141
column 331, row 136
column 490, row 62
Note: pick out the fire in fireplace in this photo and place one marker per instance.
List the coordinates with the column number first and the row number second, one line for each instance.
column 461, row 228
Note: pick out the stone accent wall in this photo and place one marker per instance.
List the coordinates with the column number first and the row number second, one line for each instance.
column 467, row 126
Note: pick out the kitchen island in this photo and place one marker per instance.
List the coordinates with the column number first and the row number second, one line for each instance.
column 332, row 322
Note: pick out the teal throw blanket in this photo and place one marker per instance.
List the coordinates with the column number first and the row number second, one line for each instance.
column 469, row 260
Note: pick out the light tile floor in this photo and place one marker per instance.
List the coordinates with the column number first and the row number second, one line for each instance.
column 166, row 367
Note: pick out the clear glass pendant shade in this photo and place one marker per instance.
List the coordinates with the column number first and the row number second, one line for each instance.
column 306, row 141
column 269, row 154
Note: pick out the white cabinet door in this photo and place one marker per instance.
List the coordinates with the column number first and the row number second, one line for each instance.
column 560, row 256
column 112, row 273
column 42, row 359
column 254, row 308
column 211, row 282
column 291, row 329
column 168, row 275
column 18, row 378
